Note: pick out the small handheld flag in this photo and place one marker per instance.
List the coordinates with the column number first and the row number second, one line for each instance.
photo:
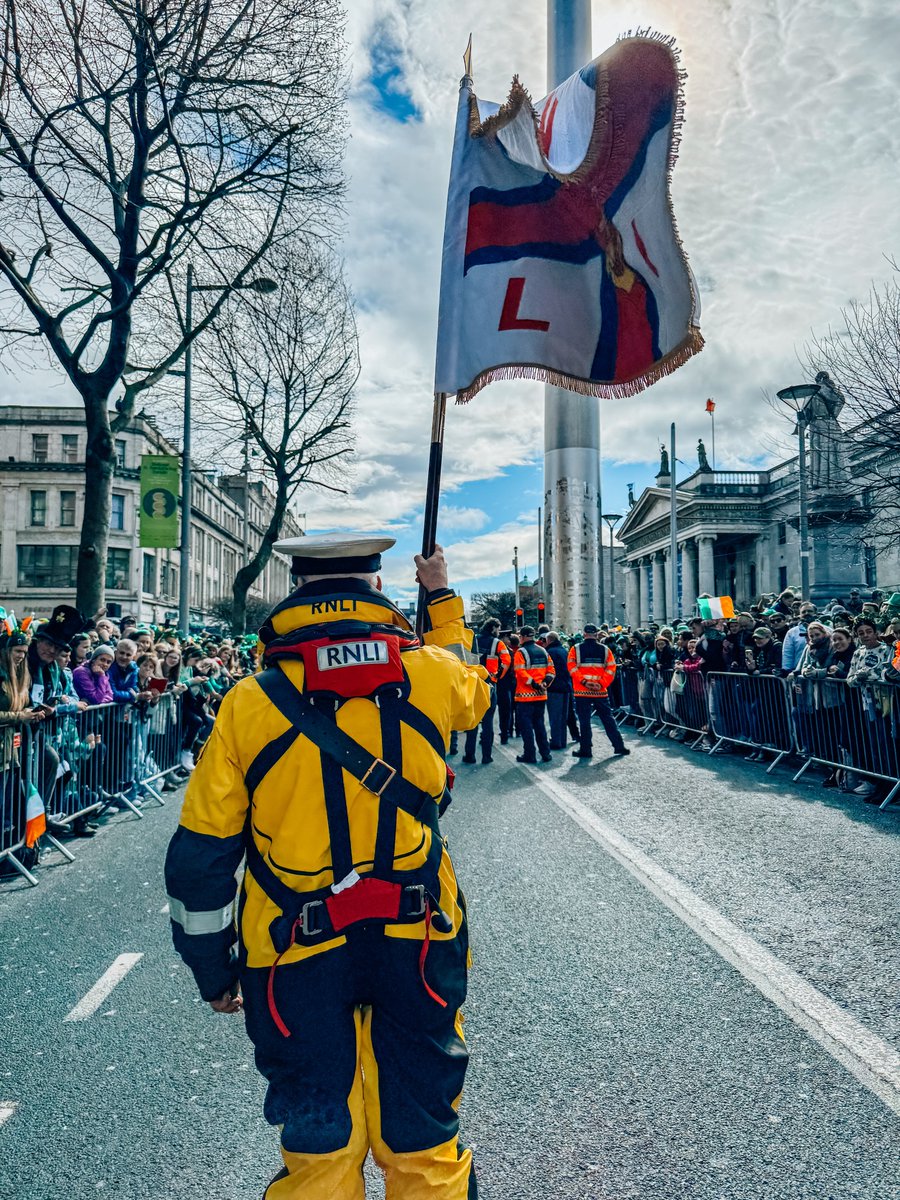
column 35, row 816
column 712, row 608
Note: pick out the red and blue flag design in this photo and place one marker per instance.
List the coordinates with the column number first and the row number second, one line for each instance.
column 561, row 259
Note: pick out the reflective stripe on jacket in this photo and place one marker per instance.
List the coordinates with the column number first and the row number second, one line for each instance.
column 533, row 666
column 591, row 675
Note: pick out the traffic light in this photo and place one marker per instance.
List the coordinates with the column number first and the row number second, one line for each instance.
column 542, row 608
column 519, row 616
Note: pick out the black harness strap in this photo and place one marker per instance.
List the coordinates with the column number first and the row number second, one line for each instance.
column 392, row 752
column 336, row 809
column 268, row 757
column 375, row 774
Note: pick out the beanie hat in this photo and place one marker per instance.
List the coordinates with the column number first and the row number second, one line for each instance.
column 103, row 650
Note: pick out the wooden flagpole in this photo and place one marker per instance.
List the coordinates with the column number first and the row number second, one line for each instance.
column 432, row 497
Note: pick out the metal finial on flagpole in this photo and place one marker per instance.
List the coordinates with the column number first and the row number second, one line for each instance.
column 467, row 58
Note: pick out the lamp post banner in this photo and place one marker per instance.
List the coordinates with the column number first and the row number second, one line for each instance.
column 159, row 500
column 561, row 258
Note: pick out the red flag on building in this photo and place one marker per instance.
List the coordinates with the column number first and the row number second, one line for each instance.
column 710, row 406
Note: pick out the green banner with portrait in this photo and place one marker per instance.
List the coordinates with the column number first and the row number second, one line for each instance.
column 159, row 500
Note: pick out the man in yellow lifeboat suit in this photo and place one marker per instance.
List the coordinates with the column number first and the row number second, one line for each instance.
column 348, row 948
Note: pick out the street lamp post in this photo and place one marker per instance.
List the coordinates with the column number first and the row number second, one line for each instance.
column 515, row 563
column 264, row 287
column 611, row 519
column 798, row 399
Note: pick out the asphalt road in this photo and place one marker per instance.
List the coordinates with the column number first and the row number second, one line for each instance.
column 616, row 1052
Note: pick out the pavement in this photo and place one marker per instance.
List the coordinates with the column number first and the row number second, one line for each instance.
column 684, row 985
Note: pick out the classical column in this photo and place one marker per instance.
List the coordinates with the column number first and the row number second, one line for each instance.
column 706, row 575
column 688, row 578
column 764, row 581
column 8, row 553
column 659, row 587
column 645, row 569
column 632, row 594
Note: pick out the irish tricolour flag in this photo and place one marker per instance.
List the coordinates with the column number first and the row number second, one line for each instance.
column 35, row 816
column 714, row 607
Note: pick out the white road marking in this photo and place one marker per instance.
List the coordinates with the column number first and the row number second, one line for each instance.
column 7, row 1108
column 870, row 1059
column 89, row 1004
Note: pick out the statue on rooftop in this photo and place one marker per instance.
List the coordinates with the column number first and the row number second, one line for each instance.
column 663, row 461
column 702, row 460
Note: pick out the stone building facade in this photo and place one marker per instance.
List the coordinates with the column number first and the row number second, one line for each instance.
column 737, row 535
column 42, row 502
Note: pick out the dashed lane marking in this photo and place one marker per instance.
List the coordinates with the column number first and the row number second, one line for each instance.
column 114, row 974
column 7, row 1109
column 870, row 1059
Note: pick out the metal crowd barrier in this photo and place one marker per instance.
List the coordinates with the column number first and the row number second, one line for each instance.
column 83, row 762
column 824, row 721
column 854, row 729
column 752, row 710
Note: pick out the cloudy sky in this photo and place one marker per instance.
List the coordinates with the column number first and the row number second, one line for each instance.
column 785, row 194
column 786, row 199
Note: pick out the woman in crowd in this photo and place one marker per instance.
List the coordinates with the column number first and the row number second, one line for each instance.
column 15, row 710
column 91, row 679
column 870, row 706
column 81, row 650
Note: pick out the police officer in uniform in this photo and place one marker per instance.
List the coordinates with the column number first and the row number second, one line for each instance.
column 495, row 658
column 534, row 675
column 347, row 948
column 592, row 667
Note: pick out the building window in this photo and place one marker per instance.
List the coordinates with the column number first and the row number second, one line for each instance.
column 70, row 447
column 47, row 566
column 782, row 532
column 67, row 509
column 118, row 566
column 782, row 578
column 117, row 512
column 120, row 453
column 40, row 447
column 38, row 508
column 148, row 582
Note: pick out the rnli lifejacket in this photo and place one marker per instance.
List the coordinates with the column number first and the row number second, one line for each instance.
column 592, row 668
column 533, row 666
column 349, row 705
column 493, row 655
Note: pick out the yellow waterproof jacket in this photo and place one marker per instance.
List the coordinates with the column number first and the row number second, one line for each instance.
column 287, row 816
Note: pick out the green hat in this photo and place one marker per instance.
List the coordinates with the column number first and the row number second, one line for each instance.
column 762, row 631
column 894, row 600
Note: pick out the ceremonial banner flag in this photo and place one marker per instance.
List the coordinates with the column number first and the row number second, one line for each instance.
column 159, row 500
column 561, row 260
column 712, row 608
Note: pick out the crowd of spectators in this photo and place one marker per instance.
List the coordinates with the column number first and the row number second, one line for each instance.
column 84, row 696
column 838, row 666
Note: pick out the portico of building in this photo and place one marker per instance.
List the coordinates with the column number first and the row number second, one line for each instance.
column 729, row 544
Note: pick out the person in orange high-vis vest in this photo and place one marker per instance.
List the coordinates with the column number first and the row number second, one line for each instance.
column 496, row 660
column 593, row 668
column 534, row 674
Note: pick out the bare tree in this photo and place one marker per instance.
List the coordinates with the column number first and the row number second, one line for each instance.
column 862, row 355
column 136, row 135
column 285, row 366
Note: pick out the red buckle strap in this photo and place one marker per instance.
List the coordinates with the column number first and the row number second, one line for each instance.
column 369, row 899
column 423, row 954
column 270, row 986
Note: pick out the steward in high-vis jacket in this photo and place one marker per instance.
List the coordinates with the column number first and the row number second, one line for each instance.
column 496, row 660
column 534, row 674
column 593, row 668
column 349, row 947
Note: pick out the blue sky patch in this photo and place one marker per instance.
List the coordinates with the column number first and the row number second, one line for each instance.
column 389, row 82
